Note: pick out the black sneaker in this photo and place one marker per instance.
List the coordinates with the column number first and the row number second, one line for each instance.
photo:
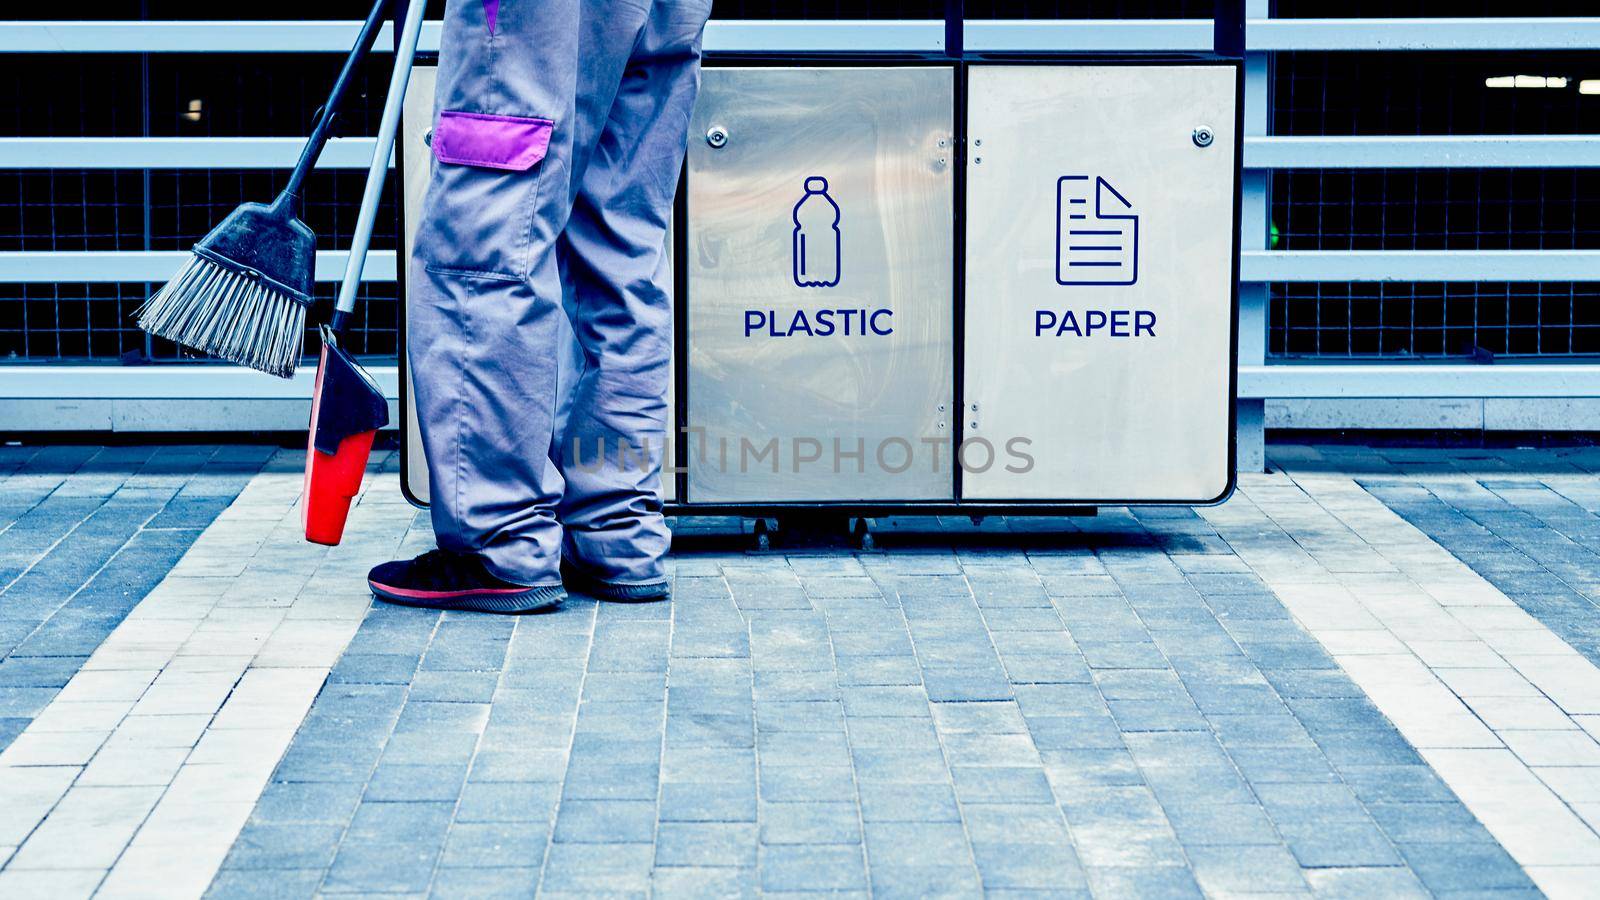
column 582, row 582
column 440, row 579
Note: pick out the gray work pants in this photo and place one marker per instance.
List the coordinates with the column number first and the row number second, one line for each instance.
column 539, row 326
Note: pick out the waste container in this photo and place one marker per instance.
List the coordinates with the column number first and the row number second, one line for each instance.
column 1003, row 285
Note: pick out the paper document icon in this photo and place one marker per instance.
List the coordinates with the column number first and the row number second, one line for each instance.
column 1097, row 233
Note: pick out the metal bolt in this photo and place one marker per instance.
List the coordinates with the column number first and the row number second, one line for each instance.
column 977, row 160
column 978, row 143
column 427, row 137
column 941, row 142
column 974, row 407
column 1203, row 136
column 974, row 424
column 941, row 160
column 717, row 137
column 941, row 407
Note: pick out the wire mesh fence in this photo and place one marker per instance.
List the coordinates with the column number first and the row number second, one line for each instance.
column 1434, row 209
column 1434, row 320
column 175, row 95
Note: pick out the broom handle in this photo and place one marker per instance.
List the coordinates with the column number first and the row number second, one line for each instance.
column 379, row 169
column 323, row 128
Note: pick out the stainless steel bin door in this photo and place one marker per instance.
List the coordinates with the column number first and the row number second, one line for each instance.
column 417, row 163
column 1099, row 313
column 819, row 265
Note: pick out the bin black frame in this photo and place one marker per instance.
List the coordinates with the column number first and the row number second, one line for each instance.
column 1228, row 50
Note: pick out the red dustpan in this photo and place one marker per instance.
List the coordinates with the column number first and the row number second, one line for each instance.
column 347, row 409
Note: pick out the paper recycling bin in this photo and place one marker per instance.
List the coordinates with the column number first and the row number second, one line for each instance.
column 1099, row 305
column 869, row 288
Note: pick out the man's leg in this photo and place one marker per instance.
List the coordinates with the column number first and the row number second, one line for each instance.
column 485, row 289
column 618, row 287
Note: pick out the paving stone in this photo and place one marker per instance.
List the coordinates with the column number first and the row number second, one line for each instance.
column 712, row 802
column 1464, row 867
column 915, row 844
column 1000, row 784
column 487, row 883
column 281, row 884
column 702, row 882
column 1322, row 845
column 299, row 845
column 600, row 781
column 382, row 866
column 1028, row 866
column 965, row 685
column 908, row 802
column 1147, row 881
column 900, row 764
column 1222, row 824
column 810, row 823
column 507, row 802
column 1428, row 823
column 395, row 781
column 597, row 868
column 605, row 821
column 812, row 867
column 1015, row 823
column 308, row 802
column 1375, row 785
column 1237, row 869
column 701, row 844
column 494, row 844
column 1365, row 882
column 885, row 700
column 925, row 881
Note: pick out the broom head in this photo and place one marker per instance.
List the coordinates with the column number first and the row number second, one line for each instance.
column 244, row 293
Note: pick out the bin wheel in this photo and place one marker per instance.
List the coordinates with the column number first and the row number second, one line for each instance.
column 861, row 531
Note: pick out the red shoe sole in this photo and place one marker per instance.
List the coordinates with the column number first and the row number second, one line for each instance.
column 506, row 601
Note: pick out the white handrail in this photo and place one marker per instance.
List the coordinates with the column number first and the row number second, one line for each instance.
column 47, row 266
column 1355, row 379
column 909, row 35
column 1260, row 152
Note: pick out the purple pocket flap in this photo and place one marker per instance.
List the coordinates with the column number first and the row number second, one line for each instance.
column 513, row 143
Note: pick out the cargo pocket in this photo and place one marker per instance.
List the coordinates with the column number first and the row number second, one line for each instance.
column 484, row 193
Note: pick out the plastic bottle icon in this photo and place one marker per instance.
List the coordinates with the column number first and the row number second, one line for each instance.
column 816, row 237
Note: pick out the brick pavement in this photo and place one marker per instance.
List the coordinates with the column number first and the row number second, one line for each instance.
column 1535, row 542
column 1151, row 702
column 1495, row 702
column 85, row 533
column 1124, row 710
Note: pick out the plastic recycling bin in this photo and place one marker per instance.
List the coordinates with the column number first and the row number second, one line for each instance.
column 1004, row 285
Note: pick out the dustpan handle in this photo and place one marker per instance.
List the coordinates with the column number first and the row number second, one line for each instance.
column 379, row 170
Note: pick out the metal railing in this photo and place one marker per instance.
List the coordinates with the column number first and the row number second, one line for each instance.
column 1263, row 153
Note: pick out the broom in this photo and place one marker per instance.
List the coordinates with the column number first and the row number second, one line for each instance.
column 244, row 292
column 347, row 406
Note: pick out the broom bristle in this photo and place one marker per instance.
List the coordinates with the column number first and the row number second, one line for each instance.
column 226, row 313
